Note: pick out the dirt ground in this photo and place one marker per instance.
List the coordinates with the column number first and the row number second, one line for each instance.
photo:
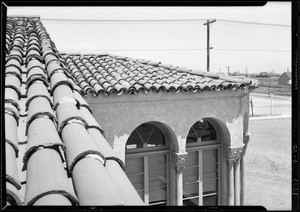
column 268, row 164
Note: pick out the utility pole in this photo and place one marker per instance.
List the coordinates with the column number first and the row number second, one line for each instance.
column 208, row 23
column 228, row 67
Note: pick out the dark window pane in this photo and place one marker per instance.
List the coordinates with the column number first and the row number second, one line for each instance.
column 192, row 137
column 146, row 134
column 145, row 131
column 209, row 133
column 191, row 202
column 192, row 158
column 190, row 189
column 210, row 200
column 134, row 141
column 199, row 127
column 210, row 186
column 157, row 162
column 191, row 174
column 158, row 194
column 210, row 156
column 201, row 131
column 210, row 171
column 157, row 179
column 134, row 165
column 157, row 138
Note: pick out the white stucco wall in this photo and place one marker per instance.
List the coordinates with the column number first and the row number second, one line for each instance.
column 120, row 115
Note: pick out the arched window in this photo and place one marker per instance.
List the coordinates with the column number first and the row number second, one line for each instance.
column 201, row 176
column 147, row 163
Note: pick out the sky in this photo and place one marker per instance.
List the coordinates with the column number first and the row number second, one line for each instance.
column 168, row 35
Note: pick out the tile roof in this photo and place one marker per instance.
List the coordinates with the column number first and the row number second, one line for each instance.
column 66, row 159
column 107, row 74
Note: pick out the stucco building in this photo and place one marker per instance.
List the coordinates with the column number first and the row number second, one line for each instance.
column 183, row 138
column 112, row 130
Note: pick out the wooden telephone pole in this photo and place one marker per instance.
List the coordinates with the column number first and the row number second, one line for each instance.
column 208, row 23
column 228, row 68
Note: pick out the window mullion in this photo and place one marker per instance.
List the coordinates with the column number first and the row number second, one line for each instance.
column 203, row 129
column 219, row 175
column 146, row 179
column 150, row 135
column 200, row 178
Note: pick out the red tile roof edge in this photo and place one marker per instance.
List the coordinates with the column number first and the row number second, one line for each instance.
column 245, row 80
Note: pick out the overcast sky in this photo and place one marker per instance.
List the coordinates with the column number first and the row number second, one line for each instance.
column 256, row 47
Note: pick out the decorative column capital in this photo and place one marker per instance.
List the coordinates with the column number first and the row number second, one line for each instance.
column 179, row 161
column 232, row 155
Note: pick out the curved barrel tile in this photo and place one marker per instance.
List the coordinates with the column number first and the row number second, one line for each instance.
column 39, row 71
column 78, row 144
column 82, row 101
column 12, row 174
column 53, row 199
column 63, row 93
column 123, row 184
column 93, row 185
column 12, row 195
column 57, row 79
column 11, row 133
column 41, row 133
column 11, row 96
column 52, row 67
column 13, row 69
column 90, row 119
column 39, row 107
column 46, row 175
column 37, row 89
column 101, row 142
column 12, row 81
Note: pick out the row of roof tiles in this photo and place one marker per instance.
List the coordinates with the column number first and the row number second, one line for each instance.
column 67, row 159
column 107, row 74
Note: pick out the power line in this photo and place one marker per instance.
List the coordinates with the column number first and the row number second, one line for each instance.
column 255, row 50
column 160, row 21
column 191, row 49
column 255, row 23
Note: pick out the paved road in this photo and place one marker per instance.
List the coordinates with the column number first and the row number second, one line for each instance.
column 282, row 106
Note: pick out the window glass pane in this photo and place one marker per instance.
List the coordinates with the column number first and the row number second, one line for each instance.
column 191, row 202
column 134, row 165
column 210, row 171
column 190, row 190
column 145, row 131
column 201, row 131
column 157, row 179
column 158, row 194
column 157, row 162
column 199, row 127
column 210, row 200
column 192, row 137
column 209, row 133
column 157, row 138
column 191, row 174
column 192, row 158
column 210, row 186
column 134, row 141
column 210, row 156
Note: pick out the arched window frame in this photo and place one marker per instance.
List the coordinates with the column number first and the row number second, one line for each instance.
column 201, row 146
column 146, row 153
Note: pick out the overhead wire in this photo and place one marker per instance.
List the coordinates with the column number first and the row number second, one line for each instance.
column 161, row 21
column 186, row 49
